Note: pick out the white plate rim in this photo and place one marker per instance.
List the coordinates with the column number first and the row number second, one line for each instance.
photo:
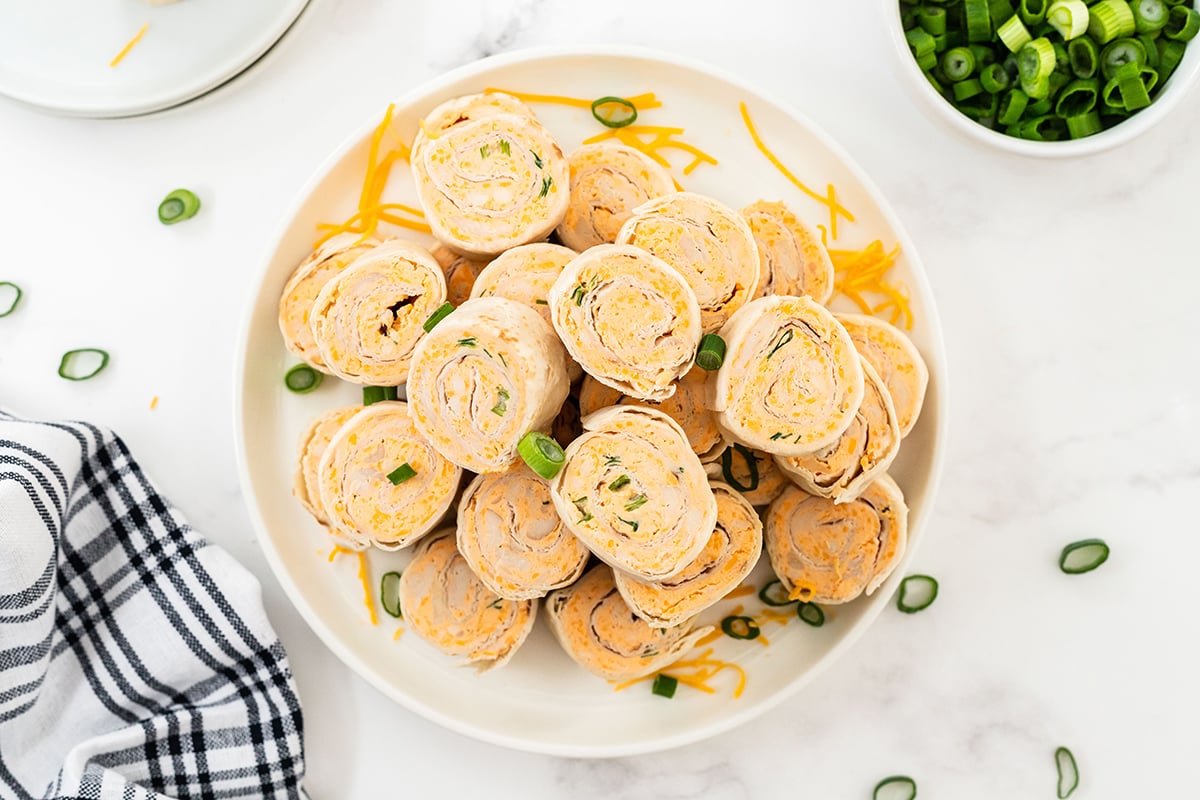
column 936, row 358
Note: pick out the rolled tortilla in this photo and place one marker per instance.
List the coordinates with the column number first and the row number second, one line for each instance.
column 489, row 373
column 367, row 319
column 460, row 273
column 362, row 503
column 793, row 259
column 449, row 607
column 728, row 557
column 710, row 245
column 302, row 288
column 313, row 443
column 791, row 381
column 596, row 627
column 686, row 407
column 630, row 320
column 843, row 469
column 608, row 181
column 831, row 553
column 896, row 359
column 634, row 492
column 512, row 537
column 488, row 181
column 759, row 487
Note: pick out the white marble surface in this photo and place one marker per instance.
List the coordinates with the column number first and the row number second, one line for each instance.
column 1067, row 292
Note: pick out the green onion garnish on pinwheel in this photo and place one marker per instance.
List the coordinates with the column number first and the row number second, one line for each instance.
column 437, row 316
column 711, row 353
column 1083, row 556
column 751, row 466
column 302, row 379
column 543, row 455
column 401, row 474
column 79, row 365
column 377, row 394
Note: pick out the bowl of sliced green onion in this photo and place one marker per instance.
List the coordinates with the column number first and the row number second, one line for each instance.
column 1049, row 77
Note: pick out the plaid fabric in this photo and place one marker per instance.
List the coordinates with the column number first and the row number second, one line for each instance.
column 136, row 660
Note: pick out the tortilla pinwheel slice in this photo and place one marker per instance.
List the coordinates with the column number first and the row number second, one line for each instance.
column 313, row 443
column 368, row 318
column 793, row 259
column 525, row 274
column 728, row 557
column 753, row 473
column 512, row 537
column 466, row 109
column 896, row 359
column 460, row 273
column 449, row 607
column 826, row 552
column 708, row 243
column 381, row 482
column 628, row 318
column 596, row 627
column 791, row 381
column 633, row 491
column 686, row 407
column 843, row 469
column 608, row 181
column 302, row 288
column 489, row 181
column 486, row 375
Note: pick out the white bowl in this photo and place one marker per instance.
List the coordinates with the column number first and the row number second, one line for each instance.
column 1181, row 81
column 541, row 701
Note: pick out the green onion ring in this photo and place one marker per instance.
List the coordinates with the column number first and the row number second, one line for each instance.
column 958, row 63
column 179, row 205
column 1183, row 24
column 664, row 686
column 1084, row 56
column 1084, row 125
column 979, row 20
column 1068, row 772
column 1083, row 556
column 1033, row 12
column 67, row 364
column 401, row 474
column 773, row 594
column 543, row 455
column 811, row 614
column 377, row 394
column 302, row 379
column 17, row 293
column 905, row 788
column 1078, row 98
column 629, row 117
column 1149, row 16
column 918, row 584
column 711, row 354
column 389, row 594
column 740, row 628
column 932, row 20
column 751, row 466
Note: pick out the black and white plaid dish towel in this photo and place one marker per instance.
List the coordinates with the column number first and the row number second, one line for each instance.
column 136, row 660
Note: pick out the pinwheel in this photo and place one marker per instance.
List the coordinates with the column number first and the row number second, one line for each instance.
column 460, row 273
column 313, row 443
column 751, row 472
column 608, row 181
column 793, row 259
column 897, row 361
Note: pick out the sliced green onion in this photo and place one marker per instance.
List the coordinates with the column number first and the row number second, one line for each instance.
column 302, row 379
column 1012, row 107
column 811, row 614
column 1169, row 56
column 979, row 20
column 922, row 589
column 958, row 63
column 16, row 293
column 401, row 473
column 437, row 316
column 1039, row 108
column 1149, row 77
column 619, row 483
column 1033, row 12
column 1183, row 24
column 79, row 365
column 1043, row 127
column 389, row 594
column 1035, row 63
column 895, row 787
column 377, row 394
column 994, row 78
column 1084, row 125
column 1150, row 45
column 773, row 594
column 664, row 686
column 1110, row 19
column 1077, row 98
column 965, row 90
column 1000, row 10
column 1014, row 34
column 927, row 61
column 1120, row 52
column 1085, row 57
column 1149, row 16
column 1068, row 772
column 984, row 54
column 620, row 112
column 740, row 628
column 1083, row 556
column 637, row 502
column 501, row 406
column 712, row 352
column 920, row 42
column 541, row 453
column 178, row 206
column 751, row 467
column 1069, row 18
column 941, row 43
column 932, row 20
column 1134, row 93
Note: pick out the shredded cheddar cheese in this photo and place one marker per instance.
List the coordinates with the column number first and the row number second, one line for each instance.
column 660, row 138
column 154, row 402
column 829, row 199
column 363, row 577
column 396, row 634
column 371, row 209
column 740, row 591
column 859, row 272
column 642, row 102
column 137, row 37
